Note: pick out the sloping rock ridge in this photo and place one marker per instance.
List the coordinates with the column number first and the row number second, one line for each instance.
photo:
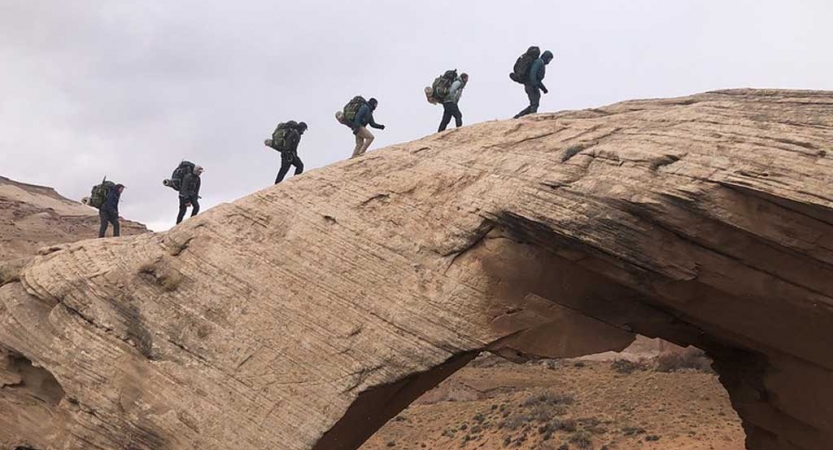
column 306, row 315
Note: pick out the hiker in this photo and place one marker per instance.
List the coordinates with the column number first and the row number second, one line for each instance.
column 189, row 193
column 109, row 211
column 450, row 103
column 533, row 82
column 364, row 117
column 285, row 139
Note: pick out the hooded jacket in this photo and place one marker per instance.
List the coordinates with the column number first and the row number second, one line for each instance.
column 111, row 203
column 455, row 91
column 539, row 70
column 190, row 186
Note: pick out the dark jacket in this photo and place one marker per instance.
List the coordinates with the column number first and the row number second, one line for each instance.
column 539, row 70
column 190, row 186
column 293, row 138
column 111, row 203
column 365, row 117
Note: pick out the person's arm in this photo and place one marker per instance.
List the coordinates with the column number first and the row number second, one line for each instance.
column 185, row 188
column 539, row 77
column 454, row 91
column 197, row 186
column 373, row 123
column 295, row 139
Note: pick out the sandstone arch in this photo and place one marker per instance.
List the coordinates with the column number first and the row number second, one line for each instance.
column 303, row 316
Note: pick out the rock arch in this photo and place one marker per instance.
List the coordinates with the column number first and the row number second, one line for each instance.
column 304, row 316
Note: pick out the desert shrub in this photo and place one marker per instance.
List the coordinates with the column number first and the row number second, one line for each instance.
column 549, row 398
column 691, row 359
column 627, row 367
column 581, row 439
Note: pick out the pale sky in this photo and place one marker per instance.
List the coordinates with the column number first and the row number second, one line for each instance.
column 129, row 88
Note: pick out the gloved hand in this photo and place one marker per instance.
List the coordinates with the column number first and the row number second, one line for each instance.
column 381, row 127
column 355, row 130
column 544, row 90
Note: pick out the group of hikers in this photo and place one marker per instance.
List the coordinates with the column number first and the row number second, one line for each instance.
column 447, row 89
column 357, row 114
column 185, row 180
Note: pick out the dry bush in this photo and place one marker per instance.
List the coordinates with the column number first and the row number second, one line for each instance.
column 581, row 439
column 690, row 360
column 627, row 367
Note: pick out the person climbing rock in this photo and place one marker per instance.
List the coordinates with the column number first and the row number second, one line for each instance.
column 534, row 82
column 109, row 211
column 364, row 117
column 451, row 103
column 285, row 139
column 189, row 193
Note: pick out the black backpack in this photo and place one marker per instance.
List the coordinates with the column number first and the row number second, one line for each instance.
column 280, row 134
column 98, row 194
column 520, row 72
column 351, row 109
column 442, row 85
column 175, row 182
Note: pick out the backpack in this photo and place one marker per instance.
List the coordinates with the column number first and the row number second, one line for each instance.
column 520, row 72
column 184, row 168
column 98, row 195
column 280, row 134
column 351, row 109
column 442, row 85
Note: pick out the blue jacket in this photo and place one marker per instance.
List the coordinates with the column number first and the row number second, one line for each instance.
column 111, row 203
column 537, row 73
column 365, row 117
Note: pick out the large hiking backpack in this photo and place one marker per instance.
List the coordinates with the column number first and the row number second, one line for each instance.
column 520, row 72
column 184, row 168
column 98, row 195
column 351, row 109
column 280, row 134
column 442, row 85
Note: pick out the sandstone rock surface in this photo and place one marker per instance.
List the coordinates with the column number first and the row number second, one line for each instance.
column 305, row 315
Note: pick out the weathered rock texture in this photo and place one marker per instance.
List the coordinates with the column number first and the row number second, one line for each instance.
column 304, row 316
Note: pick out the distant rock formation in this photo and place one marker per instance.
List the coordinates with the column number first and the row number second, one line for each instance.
column 306, row 315
column 35, row 216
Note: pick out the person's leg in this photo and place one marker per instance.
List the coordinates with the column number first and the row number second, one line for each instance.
column 446, row 117
column 531, row 93
column 114, row 219
column 195, row 205
column 458, row 115
column 103, row 228
column 359, row 145
column 182, row 208
column 534, row 95
column 368, row 139
column 284, row 169
column 299, row 165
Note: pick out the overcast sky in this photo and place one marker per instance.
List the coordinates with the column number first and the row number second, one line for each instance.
column 129, row 88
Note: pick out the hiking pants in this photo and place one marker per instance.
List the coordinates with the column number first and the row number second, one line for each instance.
column 534, row 95
column 363, row 140
column 451, row 110
column 194, row 200
column 289, row 159
column 108, row 217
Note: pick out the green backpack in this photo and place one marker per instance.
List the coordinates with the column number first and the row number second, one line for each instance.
column 98, row 195
column 280, row 134
column 442, row 85
column 351, row 109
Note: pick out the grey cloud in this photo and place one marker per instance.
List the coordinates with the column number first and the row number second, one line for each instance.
column 128, row 89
